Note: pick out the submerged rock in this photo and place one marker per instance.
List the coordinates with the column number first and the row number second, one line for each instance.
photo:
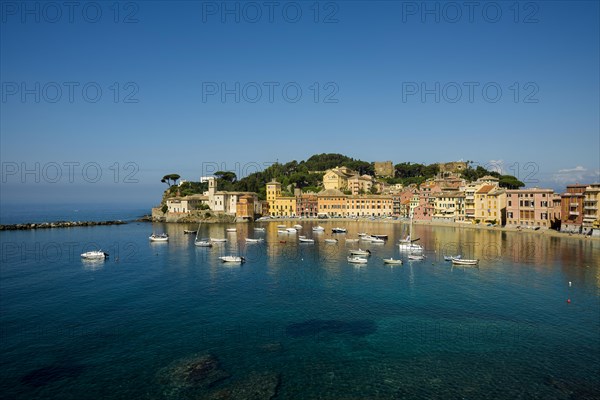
column 256, row 386
column 49, row 374
column 191, row 373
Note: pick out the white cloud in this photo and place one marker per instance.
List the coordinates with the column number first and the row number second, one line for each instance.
column 579, row 174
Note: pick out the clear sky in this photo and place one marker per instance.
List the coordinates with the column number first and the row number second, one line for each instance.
column 136, row 90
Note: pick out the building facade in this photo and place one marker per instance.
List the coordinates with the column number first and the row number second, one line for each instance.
column 531, row 208
column 572, row 208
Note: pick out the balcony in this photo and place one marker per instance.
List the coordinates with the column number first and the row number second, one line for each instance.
column 590, row 208
column 573, row 212
column 573, row 204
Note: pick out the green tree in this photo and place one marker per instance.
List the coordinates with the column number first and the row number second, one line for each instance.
column 170, row 177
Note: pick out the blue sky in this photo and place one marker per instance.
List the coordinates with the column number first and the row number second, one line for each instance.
column 395, row 81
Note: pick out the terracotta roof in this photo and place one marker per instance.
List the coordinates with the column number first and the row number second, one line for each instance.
column 330, row 192
column 485, row 189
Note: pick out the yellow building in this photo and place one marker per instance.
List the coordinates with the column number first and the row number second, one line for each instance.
column 273, row 190
column 337, row 178
column 283, row 207
column 332, row 202
column 449, row 206
column 369, row 205
column 490, row 204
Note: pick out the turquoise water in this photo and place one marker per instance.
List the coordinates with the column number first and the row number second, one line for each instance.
column 326, row 328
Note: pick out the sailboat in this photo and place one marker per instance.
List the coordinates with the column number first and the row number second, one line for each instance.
column 408, row 244
column 201, row 242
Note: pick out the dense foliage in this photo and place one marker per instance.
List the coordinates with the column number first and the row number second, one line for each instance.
column 308, row 175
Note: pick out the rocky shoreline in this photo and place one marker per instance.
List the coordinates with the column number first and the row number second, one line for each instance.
column 57, row 224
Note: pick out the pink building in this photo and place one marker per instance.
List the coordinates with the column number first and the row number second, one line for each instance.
column 531, row 208
column 426, row 208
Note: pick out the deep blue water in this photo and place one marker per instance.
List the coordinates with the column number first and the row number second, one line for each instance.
column 330, row 330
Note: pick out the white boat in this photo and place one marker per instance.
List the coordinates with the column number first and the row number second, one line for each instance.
column 464, row 262
column 306, row 240
column 450, row 258
column 359, row 252
column 392, row 261
column 339, row 230
column 218, row 240
column 203, row 243
column 357, row 260
column 259, row 229
column 291, row 230
column 377, row 240
column 331, row 240
column 416, row 257
column 94, row 255
column 318, row 228
column 233, row 259
column 281, row 231
column 351, row 240
column 408, row 244
column 281, row 226
column 231, row 229
column 384, row 237
column 250, row 240
column 361, row 234
column 188, row 232
column 297, row 226
column 163, row 237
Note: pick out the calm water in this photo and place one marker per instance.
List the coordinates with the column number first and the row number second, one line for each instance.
column 328, row 329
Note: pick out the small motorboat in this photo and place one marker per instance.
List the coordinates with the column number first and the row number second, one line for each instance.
column 357, row 260
column 416, row 257
column 231, row 229
column 250, row 240
column 218, row 240
column 162, row 237
column 450, row 258
column 392, row 261
column 376, row 240
column 339, row 230
column 232, row 259
column 332, row 241
column 464, row 262
column 361, row 234
column 291, row 230
column 351, row 240
column 94, row 255
column 257, row 229
column 297, row 226
column 359, row 252
column 281, row 226
column 188, row 232
column 384, row 237
column 306, row 240
column 203, row 243
column 318, row 228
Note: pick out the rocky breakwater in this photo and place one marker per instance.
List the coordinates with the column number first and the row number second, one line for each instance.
column 57, row 224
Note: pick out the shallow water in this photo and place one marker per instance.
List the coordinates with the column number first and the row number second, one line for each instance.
column 329, row 329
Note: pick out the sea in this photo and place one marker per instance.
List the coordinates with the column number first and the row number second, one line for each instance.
column 296, row 320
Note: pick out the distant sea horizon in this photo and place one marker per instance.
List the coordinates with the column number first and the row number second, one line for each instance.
column 37, row 213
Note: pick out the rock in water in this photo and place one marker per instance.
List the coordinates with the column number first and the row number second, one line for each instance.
column 49, row 374
column 184, row 377
column 255, row 386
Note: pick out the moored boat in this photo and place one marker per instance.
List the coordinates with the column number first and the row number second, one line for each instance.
column 231, row 229
column 232, row 259
column 318, row 228
column 257, row 229
column 162, row 237
column 218, row 240
column 450, row 258
column 357, row 260
column 306, row 240
column 203, row 243
column 462, row 261
column 188, row 232
column 392, row 261
column 291, row 230
column 416, row 257
column 251, row 240
column 331, row 241
column 359, row 252
column 94, row 255
column 339, row 230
